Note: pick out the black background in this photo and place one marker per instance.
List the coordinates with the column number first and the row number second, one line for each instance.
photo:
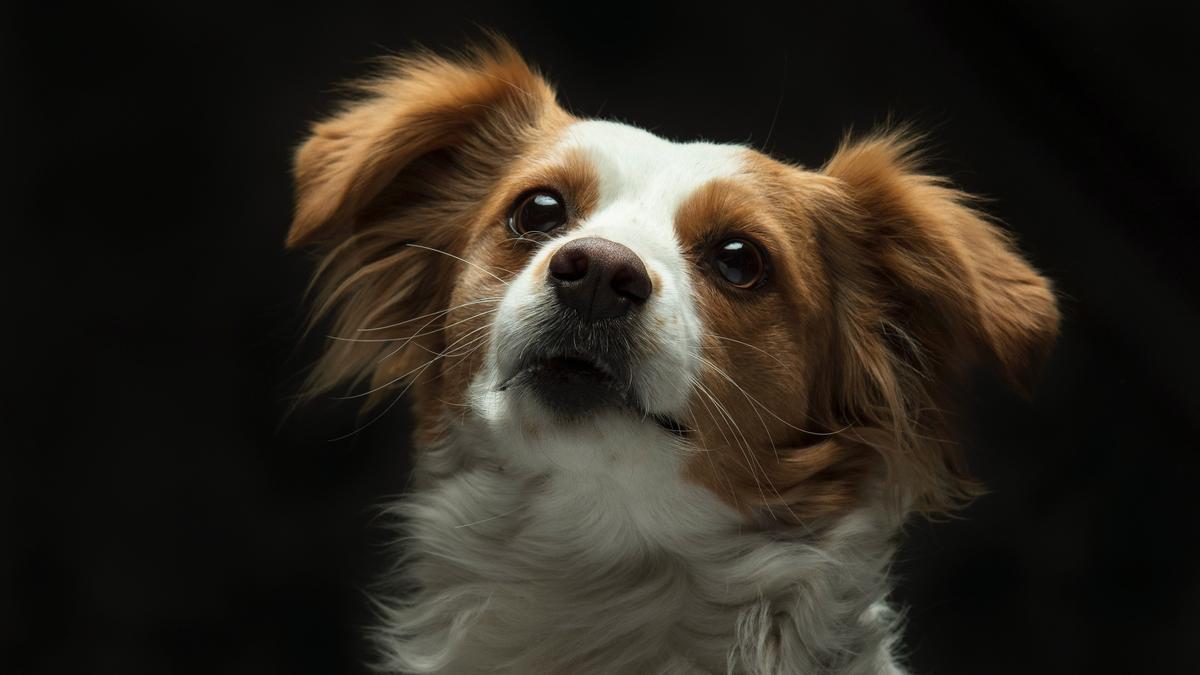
column 161, row 515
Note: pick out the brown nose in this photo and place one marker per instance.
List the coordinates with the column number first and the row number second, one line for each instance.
column 599, row 278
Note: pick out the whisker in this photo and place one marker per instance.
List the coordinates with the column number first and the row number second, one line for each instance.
column 539, row 244
column 743, row 445
column 415, row 335
column 469, row 346
column 707, row 452
column 720, row 371
column 461, row 358
column 385, row 410
column 749, row 453
column 747, row 344
column 422, row 367
column 758, row 403
column 453, row 404
column 468, row 262
column 772, row 413
column 437, row 313
column 711, row 416
column 404, row 344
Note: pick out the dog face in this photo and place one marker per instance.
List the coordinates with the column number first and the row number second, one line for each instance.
column 784, row 338
column 603, row 314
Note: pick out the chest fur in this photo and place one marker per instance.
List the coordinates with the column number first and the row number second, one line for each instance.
column 585, row 572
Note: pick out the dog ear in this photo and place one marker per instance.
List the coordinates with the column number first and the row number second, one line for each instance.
column 949, row 274
column 925, row 288
column 479, row 109
column 387, row 191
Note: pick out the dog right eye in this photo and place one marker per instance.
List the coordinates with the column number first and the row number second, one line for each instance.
column 537, row 211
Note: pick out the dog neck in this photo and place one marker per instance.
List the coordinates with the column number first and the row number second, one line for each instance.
column 538, row 550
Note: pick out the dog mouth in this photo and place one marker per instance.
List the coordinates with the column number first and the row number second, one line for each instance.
column 575, row 385
column 571, row 384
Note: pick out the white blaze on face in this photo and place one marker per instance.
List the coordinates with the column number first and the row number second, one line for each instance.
column 643, row 179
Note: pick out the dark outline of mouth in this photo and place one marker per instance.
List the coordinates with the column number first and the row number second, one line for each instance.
column 575, row 364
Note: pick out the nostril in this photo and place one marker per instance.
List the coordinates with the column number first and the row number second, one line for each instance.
column 569, row 264
column 632, row 283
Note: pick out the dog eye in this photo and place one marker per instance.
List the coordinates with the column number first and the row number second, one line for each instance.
column 740, row 262
column 538, row 211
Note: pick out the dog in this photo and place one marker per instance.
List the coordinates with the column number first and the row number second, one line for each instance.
column 673, row 401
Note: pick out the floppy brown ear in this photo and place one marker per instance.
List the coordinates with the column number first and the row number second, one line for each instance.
column 951, row 271
column 388, row 188
column 479, row 108
column 924, row 287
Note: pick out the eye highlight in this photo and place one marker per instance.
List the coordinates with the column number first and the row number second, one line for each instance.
column 537, row 211
column 740, row 262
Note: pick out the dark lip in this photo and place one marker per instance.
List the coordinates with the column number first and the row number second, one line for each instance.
column 580, row 363
column 610, row 390
column 583, row 364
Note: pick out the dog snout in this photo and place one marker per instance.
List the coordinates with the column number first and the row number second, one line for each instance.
column 599, row 278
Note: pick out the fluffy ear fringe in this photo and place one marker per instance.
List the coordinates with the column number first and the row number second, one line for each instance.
column 927, row 287
column 414, row 105
column 928, row 237
column 405, row 162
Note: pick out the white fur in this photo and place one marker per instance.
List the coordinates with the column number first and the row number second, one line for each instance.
column 541, row 547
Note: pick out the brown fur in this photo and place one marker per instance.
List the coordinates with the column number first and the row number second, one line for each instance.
column 925, row 289
column 827, row 383
column 887, row 287
column 409, row 162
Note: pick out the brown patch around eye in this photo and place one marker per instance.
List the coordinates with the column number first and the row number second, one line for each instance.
column 730, row 233
column 571, row 176
column 762, row 448
column 493, row 247
column 717, row 207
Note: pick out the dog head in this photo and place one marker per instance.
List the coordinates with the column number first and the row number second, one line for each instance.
column 791, row 335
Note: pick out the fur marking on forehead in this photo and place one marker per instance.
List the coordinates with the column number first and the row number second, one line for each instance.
column 634, row 165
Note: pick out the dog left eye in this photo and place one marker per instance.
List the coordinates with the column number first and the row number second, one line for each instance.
column 741, row 263
column 538, row 211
